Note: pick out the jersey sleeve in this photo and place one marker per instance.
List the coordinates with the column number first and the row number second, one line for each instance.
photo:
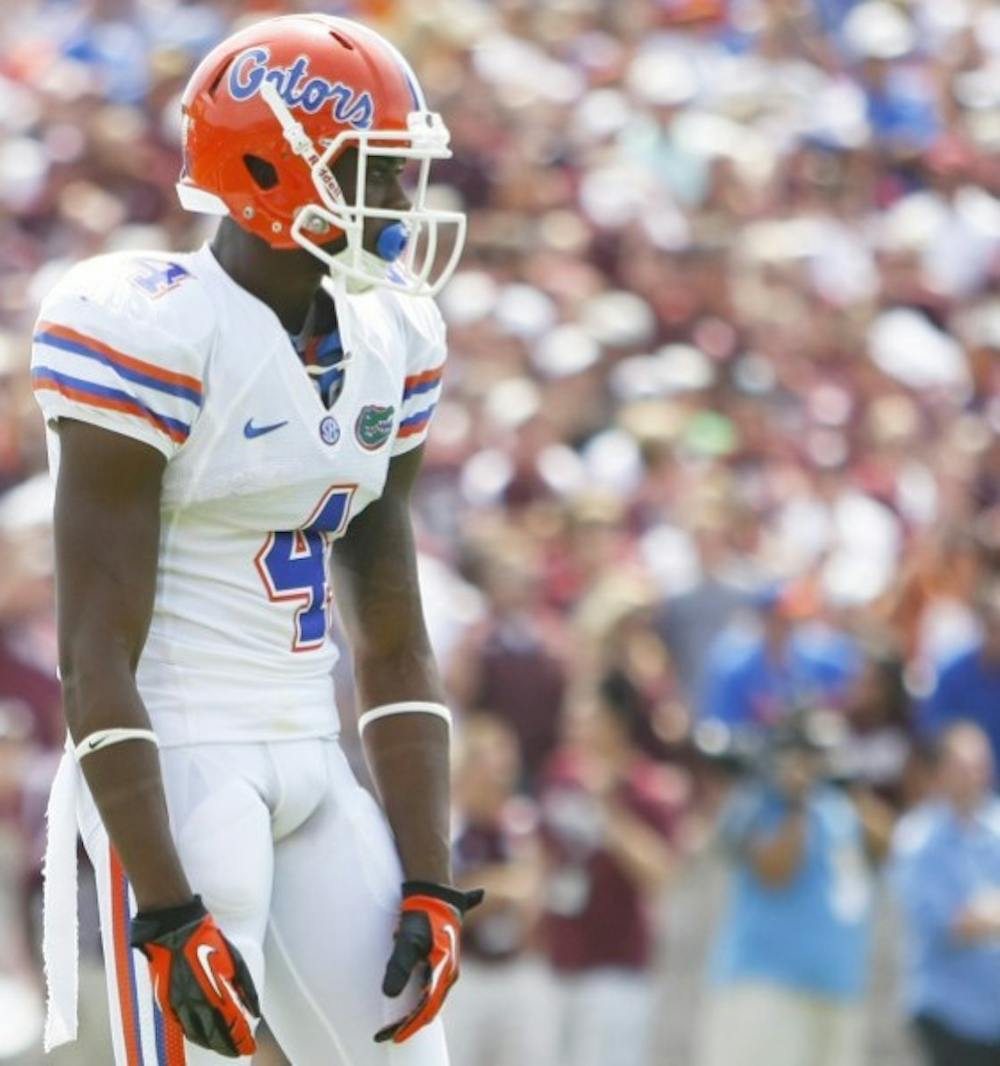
column 99, row 355
column 426, row 356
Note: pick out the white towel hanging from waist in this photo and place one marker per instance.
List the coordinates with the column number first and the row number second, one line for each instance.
column 60, row 923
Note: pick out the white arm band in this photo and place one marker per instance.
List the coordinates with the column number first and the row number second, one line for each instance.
column 104, row 738
column 409, row 707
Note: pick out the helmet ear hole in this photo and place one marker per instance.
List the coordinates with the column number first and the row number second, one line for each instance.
column 262, row 172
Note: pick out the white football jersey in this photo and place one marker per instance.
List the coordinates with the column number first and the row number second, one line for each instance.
column 261, row 476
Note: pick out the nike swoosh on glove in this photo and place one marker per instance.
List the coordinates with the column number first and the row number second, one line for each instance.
column 428, row 935
column 199, row 977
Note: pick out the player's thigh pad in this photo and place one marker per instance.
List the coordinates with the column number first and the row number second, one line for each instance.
column 333, row 911
column 221, row 826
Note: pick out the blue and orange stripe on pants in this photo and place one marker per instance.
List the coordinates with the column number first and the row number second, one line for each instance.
column 169, row 1039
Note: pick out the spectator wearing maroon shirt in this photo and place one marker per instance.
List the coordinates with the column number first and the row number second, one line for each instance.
column 499, row 1016
column 511, row 665
column 20, row 1001
column 609, row 821
column 29, row 730
column 28, row 683
column 30, row 698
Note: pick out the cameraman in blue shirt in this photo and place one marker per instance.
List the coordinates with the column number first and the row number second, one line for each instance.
column 946, row 873
column 790, row 964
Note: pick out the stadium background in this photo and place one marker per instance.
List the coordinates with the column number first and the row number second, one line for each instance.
column 728, row 319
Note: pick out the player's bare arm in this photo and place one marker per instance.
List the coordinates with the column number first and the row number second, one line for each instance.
column 107, row 529
column 376, row 589
column 375, row 575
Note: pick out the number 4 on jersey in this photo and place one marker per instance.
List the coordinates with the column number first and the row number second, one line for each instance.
column 292, row 566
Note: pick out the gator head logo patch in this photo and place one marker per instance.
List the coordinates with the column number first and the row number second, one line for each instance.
column 374, row 426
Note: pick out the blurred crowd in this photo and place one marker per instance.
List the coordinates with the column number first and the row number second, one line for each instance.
column 710, row 514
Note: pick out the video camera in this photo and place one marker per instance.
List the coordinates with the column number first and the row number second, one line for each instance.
column 756, row 750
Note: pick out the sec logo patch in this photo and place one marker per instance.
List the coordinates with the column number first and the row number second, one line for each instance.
column 329, row 430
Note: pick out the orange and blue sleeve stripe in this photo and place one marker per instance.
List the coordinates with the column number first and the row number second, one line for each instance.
column 414, row 386
column 427, row 381
column 416, row 423
column 89, row 372
column 88, row 393
column 128, row 367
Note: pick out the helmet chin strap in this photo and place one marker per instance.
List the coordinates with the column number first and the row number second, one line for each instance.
column 390, row 246
column 367, row 262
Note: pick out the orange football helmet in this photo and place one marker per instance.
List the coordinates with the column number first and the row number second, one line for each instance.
column 269, row 111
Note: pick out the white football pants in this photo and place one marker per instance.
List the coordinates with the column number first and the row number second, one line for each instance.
column 296, row 862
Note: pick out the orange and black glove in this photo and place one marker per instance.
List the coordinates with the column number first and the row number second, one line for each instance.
column 199, row 977
column 427, row 936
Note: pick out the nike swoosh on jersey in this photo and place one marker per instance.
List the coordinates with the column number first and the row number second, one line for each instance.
column 250, row 430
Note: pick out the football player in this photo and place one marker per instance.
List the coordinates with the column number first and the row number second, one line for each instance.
column 225, row 427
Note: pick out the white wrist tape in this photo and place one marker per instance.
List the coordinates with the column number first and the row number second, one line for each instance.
column 104, row 738
column 409, row 707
